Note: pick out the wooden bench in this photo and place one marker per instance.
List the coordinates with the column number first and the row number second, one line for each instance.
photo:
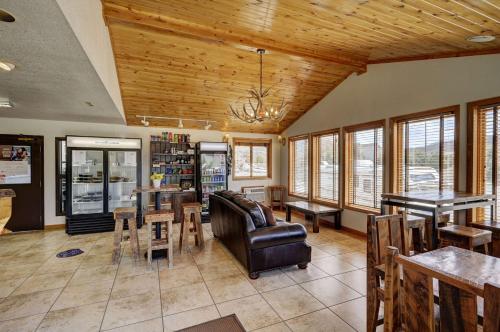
column 494, row 228
column 464, row 237
column 314, row 210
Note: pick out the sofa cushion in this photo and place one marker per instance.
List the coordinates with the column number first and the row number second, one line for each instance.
column 253, row 209
column 268, row 213
column 229, row 194
column 282, row 233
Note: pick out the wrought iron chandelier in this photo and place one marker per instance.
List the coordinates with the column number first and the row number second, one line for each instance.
column 257, row 109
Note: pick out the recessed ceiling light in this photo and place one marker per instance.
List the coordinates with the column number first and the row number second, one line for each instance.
column 6, row 17
column 481, row 38
column 5, row 103
column 6, row 66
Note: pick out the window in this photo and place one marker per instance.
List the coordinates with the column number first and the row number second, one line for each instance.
column 325, row 166
column 252, row 158
column 298, row 166
column 60, row 176
column 425, row 146
column 484, row 122
column 364, row 166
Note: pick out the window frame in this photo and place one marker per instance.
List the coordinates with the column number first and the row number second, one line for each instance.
column 473, row 170
column 346, row 131
column 291, row 141
column 313, row 163
column 251, row 142
column 394, row 142
column 59, row 194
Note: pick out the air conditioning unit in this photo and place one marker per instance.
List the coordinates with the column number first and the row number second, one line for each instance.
column 256, row 193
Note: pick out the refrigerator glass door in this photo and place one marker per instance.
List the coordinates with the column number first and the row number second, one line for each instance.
column 122, row 172
column 87, row 182
column 213, row 175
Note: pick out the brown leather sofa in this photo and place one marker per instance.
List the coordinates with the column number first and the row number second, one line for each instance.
column 240, row 224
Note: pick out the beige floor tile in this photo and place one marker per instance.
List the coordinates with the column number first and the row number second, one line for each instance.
column 330, row 291
column 206, row 256
column 230, row 288
column 292, row 301
column 333, row 265
column 27, row 304
column 81, row 294
column 96, row 260
column 85, row 318
column 184, row 298
column 18, row 271
column 59, row 266
column 317, row 253
column 24, row 324
column 132, row 309
column 335, row 248
column 135, row 268
column 152, row 325
column 354, row 279
column 171, row 278
column 356, row 258
column 88, row 275
column 271, row 280
column 133, row 285
column 321, row 321
column 7, row 286
column 353, row 312
column 303, row 275
column 219, row 270
column 280, row 327
column 253, row 312
column 189, row 318
column 41, row 282
column 180, row 261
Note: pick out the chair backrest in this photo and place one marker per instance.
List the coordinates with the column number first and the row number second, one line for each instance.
column 384, row 231
column 415, row 311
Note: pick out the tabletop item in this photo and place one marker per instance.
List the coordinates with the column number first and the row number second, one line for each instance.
column 436, row 203
column 314, row 210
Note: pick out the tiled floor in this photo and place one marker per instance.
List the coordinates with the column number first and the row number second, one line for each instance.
column 39, row 292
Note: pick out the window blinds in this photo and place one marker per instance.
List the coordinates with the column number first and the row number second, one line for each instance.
column 488, row 156
column 299, row 163
column 326, row 167
column 366, row 168
column 426, row 153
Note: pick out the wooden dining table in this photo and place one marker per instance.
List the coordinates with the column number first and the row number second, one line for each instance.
column 461, row 274
column 436, row 203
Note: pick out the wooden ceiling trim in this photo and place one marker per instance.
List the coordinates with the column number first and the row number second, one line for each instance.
column 437, row 56
column 120, row 13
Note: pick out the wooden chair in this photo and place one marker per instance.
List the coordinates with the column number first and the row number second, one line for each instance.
column 464, row 237
column 120, row 215
column 277, row 196
column 192, row 214
column 160, row 218
column 416, row 225
column 494, row 228
column 415, row 311
column 382, row 231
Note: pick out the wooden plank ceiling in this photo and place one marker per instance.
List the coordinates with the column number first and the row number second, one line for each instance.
column 192, row 58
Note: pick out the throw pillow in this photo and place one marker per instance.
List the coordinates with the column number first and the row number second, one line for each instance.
column 268, row 213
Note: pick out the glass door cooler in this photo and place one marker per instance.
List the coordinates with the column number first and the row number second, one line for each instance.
column 101, row 175
column 211, row 160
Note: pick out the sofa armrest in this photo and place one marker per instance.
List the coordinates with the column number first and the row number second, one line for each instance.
column 283, row 233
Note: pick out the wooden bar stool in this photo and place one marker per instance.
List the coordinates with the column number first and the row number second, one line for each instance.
column 464, row 237
column 494, row 227
column 120, row 215
column 277, row 196
column 160, row 218
column 192, row 213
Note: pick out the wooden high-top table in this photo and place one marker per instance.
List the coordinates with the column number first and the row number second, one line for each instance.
column 436, row 203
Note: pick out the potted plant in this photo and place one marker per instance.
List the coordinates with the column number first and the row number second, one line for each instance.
column 156, row 177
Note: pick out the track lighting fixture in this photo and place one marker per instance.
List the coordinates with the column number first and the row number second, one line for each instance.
column 181, row 125
column 208, row 125
column 145, row 122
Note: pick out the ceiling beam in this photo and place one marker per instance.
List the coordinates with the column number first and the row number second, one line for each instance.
column 437, row 56
column 129, row 15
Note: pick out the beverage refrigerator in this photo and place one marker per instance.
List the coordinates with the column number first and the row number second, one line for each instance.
column 212, row 171
column 101, row 175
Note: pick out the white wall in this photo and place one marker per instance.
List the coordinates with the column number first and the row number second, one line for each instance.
column 52, row 129
column 86, row 20
column 388, row 90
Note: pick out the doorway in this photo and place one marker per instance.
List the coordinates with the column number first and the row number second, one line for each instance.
column 21, row 169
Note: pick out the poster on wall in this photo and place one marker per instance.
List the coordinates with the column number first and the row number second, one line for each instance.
column 15, row 164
